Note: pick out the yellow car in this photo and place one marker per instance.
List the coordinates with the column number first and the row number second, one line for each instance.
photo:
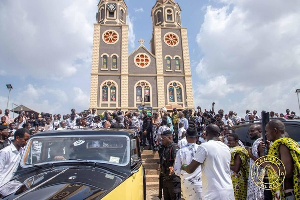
column 81, row 164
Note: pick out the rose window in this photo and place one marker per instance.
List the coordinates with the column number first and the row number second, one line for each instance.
column 110, row 37
column 171, row 39
column 142, row 60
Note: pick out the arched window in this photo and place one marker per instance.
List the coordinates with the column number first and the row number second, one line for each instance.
column 178, row 19
column 104, row 62
column 169, row 67
column 104, row 93
column 143, row 93
column 177, row 63
column 171, row 94
column 139, row 96
column 158, row 17
column 113, row 95
column 114, row 62
column 109, row 93
column 169, row 15
column 102, row 14
column 175, row 92
column 122, row 13
column 147, row 94
column 179, row 94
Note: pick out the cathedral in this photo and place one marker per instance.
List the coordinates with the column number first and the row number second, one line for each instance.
column 156, row 78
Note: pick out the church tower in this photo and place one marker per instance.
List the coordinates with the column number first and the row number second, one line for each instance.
column 109, row 77
column 145, row 78
column 169, row 44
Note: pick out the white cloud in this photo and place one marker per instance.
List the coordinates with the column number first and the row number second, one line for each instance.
column 80, row 99
column 216, row 87
column 213, row 90
column 32, row 93
column 46, row 38
column 139, row 10
column 2, row 72
column 131, row 34
column 277, row 97
column 42, row 99
column 254, row 49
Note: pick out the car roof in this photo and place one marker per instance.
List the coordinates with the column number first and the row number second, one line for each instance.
column 119, row 132
column 292, row 127
column 293, row 121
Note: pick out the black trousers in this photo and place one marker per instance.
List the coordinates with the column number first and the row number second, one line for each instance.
column 172, row 188
column 148, row 136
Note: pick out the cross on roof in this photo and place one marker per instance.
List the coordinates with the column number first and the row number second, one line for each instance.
column 141, row 41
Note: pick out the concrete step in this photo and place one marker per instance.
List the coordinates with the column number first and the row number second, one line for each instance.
column 144, row 157
column 152, row 185
column 149, row 152
column 151, row 160
column 152, row 172
column 150, row 166
column 152, row 178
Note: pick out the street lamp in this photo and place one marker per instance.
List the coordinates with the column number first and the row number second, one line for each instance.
column 9, row 87
column 298, row 91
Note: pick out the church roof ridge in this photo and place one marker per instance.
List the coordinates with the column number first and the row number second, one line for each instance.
column 142, row 46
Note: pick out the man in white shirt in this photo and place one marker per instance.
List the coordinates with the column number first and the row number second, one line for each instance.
column 96, row 123
column 214, row 158
column 181, row 131
column 10, row 156
column 183, row 120
column 71, row 122
column 191, row 184
column 256, row 116
column 247, row 116
column 182, row 143
column 63, row 126
column 91, row 116
column 227, row 121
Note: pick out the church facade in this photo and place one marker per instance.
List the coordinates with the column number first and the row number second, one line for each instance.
column 154, row 78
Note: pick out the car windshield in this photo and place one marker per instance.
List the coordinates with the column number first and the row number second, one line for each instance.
column 103, row 149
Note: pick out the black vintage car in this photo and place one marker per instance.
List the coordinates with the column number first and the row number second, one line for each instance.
column 82, row 164
column 292, row 127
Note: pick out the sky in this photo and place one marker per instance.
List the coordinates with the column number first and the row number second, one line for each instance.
column 245, row 54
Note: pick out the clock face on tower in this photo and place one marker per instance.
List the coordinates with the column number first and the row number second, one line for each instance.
column 171, row 39
column 111, row 6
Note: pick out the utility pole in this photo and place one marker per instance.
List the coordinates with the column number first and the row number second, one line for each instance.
column 298, row 91
column 9, row 87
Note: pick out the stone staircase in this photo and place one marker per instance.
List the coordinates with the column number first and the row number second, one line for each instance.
column 151, row 158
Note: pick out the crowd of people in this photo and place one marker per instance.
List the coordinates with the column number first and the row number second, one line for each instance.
column 148, row 127
column 201, row 157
